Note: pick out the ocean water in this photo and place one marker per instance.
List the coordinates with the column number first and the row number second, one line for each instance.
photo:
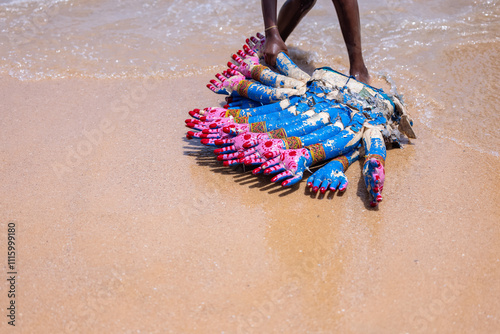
column 442, row 55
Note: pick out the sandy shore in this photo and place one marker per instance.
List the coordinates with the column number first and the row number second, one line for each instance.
column 124, row 226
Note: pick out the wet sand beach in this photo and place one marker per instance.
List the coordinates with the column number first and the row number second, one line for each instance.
column 147, row 232
column 122, row 225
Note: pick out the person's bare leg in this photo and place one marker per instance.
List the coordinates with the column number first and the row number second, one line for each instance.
column 291, row 13
column 348, row 14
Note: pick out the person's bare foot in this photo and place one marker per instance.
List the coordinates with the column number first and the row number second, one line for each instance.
column 361, row 74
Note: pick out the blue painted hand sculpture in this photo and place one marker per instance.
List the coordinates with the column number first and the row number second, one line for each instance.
column 283, row 123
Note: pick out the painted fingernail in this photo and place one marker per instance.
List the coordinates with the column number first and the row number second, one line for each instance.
column 322, row 190
column 274, row 179
column 205, row 141
column 268, row 155
column 309, row 184
column 226, row 106
column 373, row 204
column 315, row 189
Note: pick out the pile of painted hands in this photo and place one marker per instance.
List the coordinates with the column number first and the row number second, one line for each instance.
column 282, row 121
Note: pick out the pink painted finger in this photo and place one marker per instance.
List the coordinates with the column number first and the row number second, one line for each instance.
column 226, row 141
column 274, row 169
column 232, row 66
column 213, row 88
column 208, row 141
column 208, row 131
column 270, row 163
column 249, row 51
column 231, row 162
column 257, row 170
column 272, row 153
column 216, row 83
column 194, row 112
column 254, row 40
column 211, row 135
column 191, row 134
column 237, row 59
column 282, row 176
column 232, row 72
column 247, row 153
column 253, row 161
column 220, row 77
column 222, row 150
column 251, row 143
column 229, row 156
column 195, row 126
column 192, row 121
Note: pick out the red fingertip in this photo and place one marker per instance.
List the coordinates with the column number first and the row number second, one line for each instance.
column 213, row 126
column 315, row 189
column 204, row 135
column 205, row 141
column 225, row 106
column 219, row 142
column 322, row 190
column 309, row 184
column 190, row 135
column 247, row 145
column 192, row 113
column 220, row 157
column 226, row 129
column 241, row 155
column 190, row 125
column 203, row 118
column 373, row 204
column 268, row 155
column 379, row 198
column 274, row 179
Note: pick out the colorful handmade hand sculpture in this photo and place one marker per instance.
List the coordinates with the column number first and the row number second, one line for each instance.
column 283, row 123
